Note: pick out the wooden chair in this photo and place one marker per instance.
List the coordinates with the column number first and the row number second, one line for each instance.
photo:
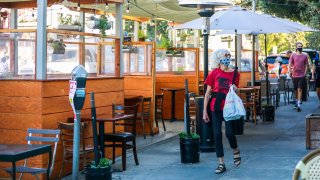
column 192, row 111
column 145, row 114
column 121, row 139
column 37, row 136
column 159, row 109
column 67, row 144
column 250, row 97
column 308, row 167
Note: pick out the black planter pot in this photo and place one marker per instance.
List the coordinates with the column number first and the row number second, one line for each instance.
column 97, row 173
column 190, row 150
column 268, row 113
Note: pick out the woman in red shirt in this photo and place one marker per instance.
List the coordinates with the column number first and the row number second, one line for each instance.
column 218, row 82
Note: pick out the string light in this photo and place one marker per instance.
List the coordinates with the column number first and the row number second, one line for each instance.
column 78, row 7
column 107, row 5
column 128, row 9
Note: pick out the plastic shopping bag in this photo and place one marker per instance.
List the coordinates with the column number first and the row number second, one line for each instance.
column 233, row 107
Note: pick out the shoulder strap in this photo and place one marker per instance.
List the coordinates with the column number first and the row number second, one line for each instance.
column 234, row 74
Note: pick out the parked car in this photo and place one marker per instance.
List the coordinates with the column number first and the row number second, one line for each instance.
column 271, row 61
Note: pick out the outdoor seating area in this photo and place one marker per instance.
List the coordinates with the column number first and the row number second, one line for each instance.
column 111, row 85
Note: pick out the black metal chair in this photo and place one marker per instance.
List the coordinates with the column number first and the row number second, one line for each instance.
column 122, row 139
column 158, row 109
column 37, row 136
column 67, row 144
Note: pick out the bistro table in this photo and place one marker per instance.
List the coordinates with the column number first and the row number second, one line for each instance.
column 16, row 152
column 173, row 100
column 108, row 118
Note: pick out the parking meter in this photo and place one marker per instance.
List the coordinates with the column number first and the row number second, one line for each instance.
column 77, row 96
column 79, row 76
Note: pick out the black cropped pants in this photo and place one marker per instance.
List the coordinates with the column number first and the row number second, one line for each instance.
column 217, row 118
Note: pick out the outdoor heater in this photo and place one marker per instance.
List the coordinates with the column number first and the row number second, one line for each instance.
column 205, row 9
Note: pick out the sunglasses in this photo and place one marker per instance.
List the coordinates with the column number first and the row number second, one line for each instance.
column 227, row 55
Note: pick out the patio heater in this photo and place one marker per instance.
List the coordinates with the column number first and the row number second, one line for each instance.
column 205, row 9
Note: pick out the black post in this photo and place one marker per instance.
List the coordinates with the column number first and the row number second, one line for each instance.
column 236, row 48
column 205, row 54
column 266, row 66
column 187, row 115
column 94, row 129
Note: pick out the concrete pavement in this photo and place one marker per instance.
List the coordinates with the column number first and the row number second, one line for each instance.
column 269, row 151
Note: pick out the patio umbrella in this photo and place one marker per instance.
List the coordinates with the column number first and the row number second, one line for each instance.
column 242, row 21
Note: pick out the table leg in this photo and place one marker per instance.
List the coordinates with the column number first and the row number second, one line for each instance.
column 49, row 164
column 13, row 170
column 173, row 104
column 101, row 134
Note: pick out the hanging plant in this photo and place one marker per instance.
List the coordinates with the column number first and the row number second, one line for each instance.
column 99, row 23
column 58, row 46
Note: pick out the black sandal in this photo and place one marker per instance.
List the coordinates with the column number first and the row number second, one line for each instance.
column 220, row 169
column 237, row 160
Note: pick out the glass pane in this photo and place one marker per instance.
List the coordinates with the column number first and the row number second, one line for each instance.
column 108, row 58
column 62, row 61
column 91, row 58
column 161, row 61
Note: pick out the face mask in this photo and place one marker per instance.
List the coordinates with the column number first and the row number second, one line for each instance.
column 299, row 49
column 225, row 61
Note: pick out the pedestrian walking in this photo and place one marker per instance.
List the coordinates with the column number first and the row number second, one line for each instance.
column 218, row 82
column 298, row 67
column 316, row 74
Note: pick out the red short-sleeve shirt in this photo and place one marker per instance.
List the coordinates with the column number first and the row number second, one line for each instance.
column 220, row 81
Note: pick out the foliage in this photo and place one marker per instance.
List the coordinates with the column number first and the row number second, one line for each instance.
column 57, row 44
column 304, row 11
column 64, row 20
column 103, row 163
column 283, row 41
column 103, row 25
column 184, row 135
column 141, row 34
column 183, row 36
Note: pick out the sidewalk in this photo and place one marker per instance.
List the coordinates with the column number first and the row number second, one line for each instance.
column 269, row 151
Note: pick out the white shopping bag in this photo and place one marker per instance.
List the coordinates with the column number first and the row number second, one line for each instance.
column 233, row 107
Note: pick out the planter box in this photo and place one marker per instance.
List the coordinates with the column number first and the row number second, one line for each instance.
column 190, row 150
column 70, row 27
column 312, row 131
column 97, row 173
column 268, row 113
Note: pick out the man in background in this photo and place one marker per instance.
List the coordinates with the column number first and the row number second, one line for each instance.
column 298, row 67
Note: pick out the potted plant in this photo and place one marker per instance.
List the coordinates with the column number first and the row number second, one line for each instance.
column 268, row 112
column 166, row 43
column 141, row 35
column 99, row 23
column 101, row 171
column 66, row 23
column 58, row 46
column 189, row 147
column 189, row 142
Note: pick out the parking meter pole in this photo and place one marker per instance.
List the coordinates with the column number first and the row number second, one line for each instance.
column 76, row 146
column 77, row 95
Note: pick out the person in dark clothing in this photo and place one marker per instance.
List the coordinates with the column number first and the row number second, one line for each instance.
column 218, row 82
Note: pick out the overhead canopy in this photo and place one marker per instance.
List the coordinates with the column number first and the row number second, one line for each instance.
column 165, row 9
column 19, row 4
